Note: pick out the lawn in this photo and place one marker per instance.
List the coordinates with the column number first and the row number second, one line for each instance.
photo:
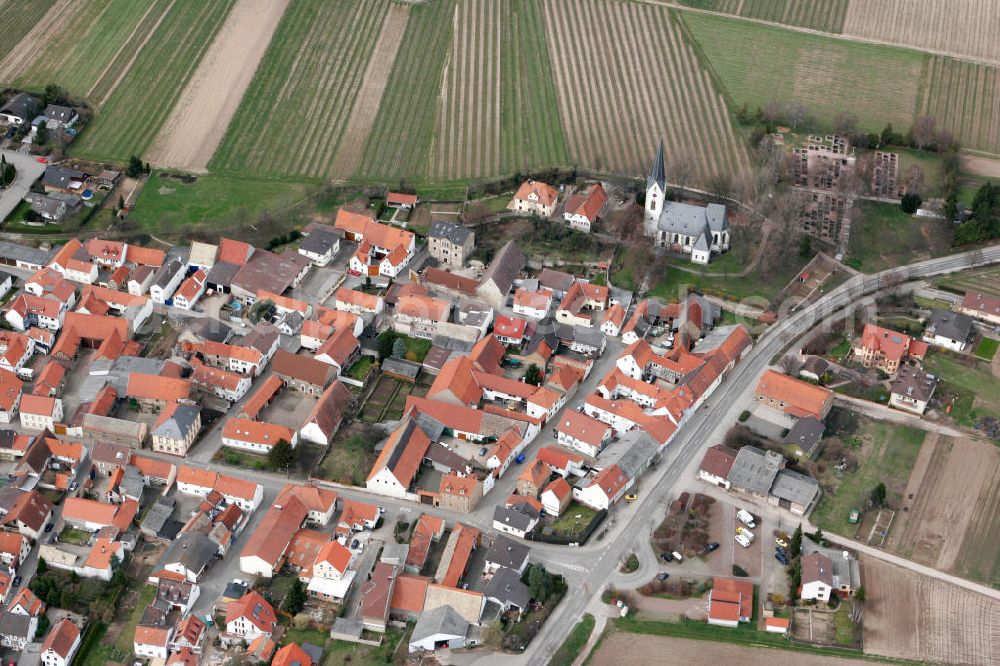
column 300, row 636
column 757, row 64
column 146, row 596
column 971, row 380
column 361, row 367
column 129, row 120
column 344, row 652
column 887, row 456
column 759, row 284
column 242, row 459
column 885, row 236
column 574, row 519
column 74, row 536
column 987, row 348
column 351, row 455
column 215, row 204
column 574, row 643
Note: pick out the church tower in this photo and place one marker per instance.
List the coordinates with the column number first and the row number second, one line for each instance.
column 656, row 190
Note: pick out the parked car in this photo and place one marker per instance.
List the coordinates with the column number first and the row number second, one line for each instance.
column 73, row 486
column 667, row 557
column 742, row 540
column 746, row 518
column 712, row 546
column 16, row 582
column 519, row 459
column 631, row 497
column 781, row 542
column 662, row 575
column 781, row 550
column 48, row 528
column 781, row 558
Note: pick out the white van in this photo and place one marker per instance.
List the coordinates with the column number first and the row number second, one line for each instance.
column 677, row 556
column 744, row 517
column 742, row 540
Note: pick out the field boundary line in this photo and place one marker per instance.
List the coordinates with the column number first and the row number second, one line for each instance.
column 111, row 61
column 135, row 56
column 823, row 33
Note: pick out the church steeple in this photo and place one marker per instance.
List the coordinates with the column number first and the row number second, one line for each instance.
column 657, row 175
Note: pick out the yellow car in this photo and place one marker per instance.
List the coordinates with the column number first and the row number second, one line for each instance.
column 631, row 497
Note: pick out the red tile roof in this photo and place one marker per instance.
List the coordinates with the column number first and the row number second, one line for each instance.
column 546, row 194
column 10, row 390
column 581, row 427
column 61, row 637
column 146, row 256
column 155, row 387
column 718, row 461
column 256, row 432
column 255, row 609
column 799, row 397
column 275, row 531
column 587, row 203
column 409, row 593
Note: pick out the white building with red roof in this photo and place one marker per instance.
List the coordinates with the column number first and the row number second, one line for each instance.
column 509, row 330
column 250, row 617
column 535, row 198
column 604, row 489
column 582, row 433
column 583, row 208
column 190, row 290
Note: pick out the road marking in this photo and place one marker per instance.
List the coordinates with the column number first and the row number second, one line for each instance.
column 579, row 568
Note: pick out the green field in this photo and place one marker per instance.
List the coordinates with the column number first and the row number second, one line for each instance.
column 17, row 18
column 213, row 203
column 293, row 115
column 887, row 456
column 140, row 103
column 758, row 64
column 987, row 348
column 826, row 15
column 884, row 236
column 400, row 140
column 488, row 122
column 91, row 54
column 964, row 97
column 971, row 380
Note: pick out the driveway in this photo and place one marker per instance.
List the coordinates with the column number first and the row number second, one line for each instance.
column 28, row 171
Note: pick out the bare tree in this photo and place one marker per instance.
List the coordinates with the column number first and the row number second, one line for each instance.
column 771, row 112
column 720, row 185
column 857, row 180
column 627, row 224
column 915, row 180
column 794, row 113
column 944, row 140
column 845, row 122
column 923, row 131
column 682, row 168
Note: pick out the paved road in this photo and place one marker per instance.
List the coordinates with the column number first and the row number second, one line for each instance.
column 706, row 428
column 28, row 171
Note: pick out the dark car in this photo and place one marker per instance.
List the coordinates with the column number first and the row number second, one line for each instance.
column 16, row 582
column 712, row 546
column 780, row 549
column 48, row 528
column 781, row 558
column 662, row 576
column 667, row 557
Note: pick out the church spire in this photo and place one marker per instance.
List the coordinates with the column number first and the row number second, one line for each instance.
column 657, row 174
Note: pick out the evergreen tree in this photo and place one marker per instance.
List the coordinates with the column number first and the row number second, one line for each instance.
column 533, row 375
column 795, row 545
column 398, row 348
column 295, row 600
column 281, row 456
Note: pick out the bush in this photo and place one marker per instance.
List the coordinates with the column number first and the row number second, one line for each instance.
column 739, row 571
column 744, row 415
column 910, row 203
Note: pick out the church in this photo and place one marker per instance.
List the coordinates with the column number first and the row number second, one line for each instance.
column 700, row 231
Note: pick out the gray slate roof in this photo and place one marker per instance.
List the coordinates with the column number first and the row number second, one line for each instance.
column 15, row 624
column 167, row 271
column 192, row 549
column 61, row 114
column 794, row 487
column 21, row 105
column 504, row 268
column 31, row 255
column 180, row 422
column 951, row 325
column 631, row 453
column 320, row 241
column 806, row 434
column 507, row 589
column 518, row 520
column 755, row 470
column 658, row 172
column 441, row 620
column 453, row 233
column 507, row 552
column 57, row 176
